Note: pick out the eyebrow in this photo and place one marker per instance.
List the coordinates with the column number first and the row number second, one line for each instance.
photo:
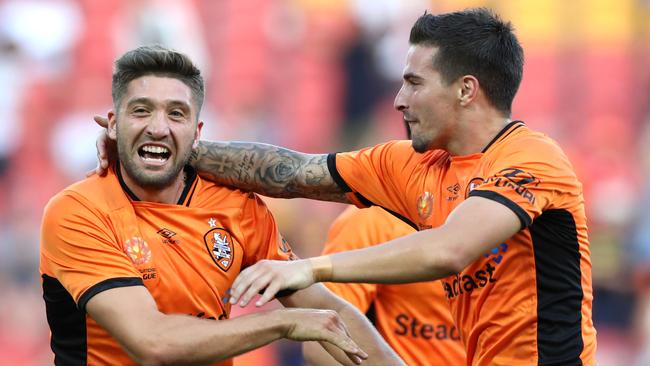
column 149, row 102
column 411, row 76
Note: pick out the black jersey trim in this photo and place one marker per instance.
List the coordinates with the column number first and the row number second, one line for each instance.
column 190, row 177
column 559, row 288
column 67, row 324
column 126, row 188
column 107, row 285
column 494, row 196
column 503, row 131
column 331, row 166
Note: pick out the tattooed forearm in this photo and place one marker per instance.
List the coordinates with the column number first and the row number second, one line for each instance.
column 267, row 169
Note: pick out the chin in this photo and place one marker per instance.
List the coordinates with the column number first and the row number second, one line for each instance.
column 419, row 146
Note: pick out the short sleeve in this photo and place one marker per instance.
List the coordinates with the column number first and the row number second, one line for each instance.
column 79, row 250
column 261, row 235
column 376, row 175
column 529, row 177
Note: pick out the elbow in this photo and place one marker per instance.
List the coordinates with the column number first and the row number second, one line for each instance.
column 447, row 262
column 154, row 354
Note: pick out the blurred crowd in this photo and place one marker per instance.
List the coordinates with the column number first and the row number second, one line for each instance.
column 320, row 76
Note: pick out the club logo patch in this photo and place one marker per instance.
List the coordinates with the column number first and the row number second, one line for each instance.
column 425, row 205
column 219, row 244
column 138, row 250
column 473, row 184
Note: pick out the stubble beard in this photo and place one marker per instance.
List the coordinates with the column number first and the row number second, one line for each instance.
column 150, row 180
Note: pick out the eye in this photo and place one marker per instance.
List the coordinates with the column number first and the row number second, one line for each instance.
column 177, row 114
column 140, row 111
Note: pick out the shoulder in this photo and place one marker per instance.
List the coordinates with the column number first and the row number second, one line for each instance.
column 100, row 194
column 213, row 195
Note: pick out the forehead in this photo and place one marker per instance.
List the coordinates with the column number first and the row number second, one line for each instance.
column 419, row 59
column 158, row 89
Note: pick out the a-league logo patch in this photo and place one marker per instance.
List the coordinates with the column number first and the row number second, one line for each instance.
column 138, row 250
column 425, row 205
column 219, row 244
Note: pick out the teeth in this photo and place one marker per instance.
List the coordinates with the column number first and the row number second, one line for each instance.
column 155, row 149
column 154, row 159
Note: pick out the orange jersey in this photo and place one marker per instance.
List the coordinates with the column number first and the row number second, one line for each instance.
column 96, row 236
column 529, row 299
column 413, row 318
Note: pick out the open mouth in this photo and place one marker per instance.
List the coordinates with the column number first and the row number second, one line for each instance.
column 154, row 154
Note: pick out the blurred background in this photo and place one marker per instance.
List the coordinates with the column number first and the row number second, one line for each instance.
column 320, row 76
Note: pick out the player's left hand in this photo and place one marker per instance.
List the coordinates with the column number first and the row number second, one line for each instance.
column 268, row 277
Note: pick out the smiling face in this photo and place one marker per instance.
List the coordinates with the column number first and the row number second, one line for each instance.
column 156, row 127
column 427, row 103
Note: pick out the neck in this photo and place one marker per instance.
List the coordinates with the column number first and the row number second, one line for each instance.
column 169, row 194
column 474, row 134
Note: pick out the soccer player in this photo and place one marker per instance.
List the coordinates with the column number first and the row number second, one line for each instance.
column 413, row 318
column 136, row 264
column 508, row 237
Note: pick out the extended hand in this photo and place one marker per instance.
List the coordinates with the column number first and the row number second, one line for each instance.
column 324, row 326
column 271, row 277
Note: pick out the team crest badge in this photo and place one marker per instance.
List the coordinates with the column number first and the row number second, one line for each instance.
column 425, row 205
column 475, row 182
column 219, row 244
column 138, row 250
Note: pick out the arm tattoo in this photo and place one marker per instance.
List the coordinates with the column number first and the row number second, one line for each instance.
column 268, row 170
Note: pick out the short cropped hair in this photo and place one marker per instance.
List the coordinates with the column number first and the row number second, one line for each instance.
column 474, row 42
column 159, row 61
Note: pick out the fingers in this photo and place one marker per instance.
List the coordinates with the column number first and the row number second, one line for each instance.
column 349, row 347
column 101, row 121
column 269, row 294
column 242, row 284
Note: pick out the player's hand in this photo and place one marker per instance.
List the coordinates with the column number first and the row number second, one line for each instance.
column 103, row 148
column 268, row 277
column 324, row 326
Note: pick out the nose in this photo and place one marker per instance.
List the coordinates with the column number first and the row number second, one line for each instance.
column 158, row 126
column 400, row 101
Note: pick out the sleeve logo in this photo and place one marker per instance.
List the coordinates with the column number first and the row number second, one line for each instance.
column 137, row 250
column 517, row 180
column 424, row 205
column 219, row 244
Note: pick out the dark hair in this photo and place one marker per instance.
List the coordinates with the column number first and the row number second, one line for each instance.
column 474, row 42
column 159, row 61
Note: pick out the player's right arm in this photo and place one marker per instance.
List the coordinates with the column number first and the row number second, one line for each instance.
column 267, row 169
column 79, row 250
column 153, row 338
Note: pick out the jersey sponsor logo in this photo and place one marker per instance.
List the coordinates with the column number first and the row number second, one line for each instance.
column 412, row 327
column 466, row 283
column 168, row 236
column 517, row 180
column 424, row 205
column 219, row 244
column 473, row 184
column 137, row 250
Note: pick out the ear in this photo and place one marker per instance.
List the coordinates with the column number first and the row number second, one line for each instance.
column 197, row 135
column 112, row 126
column 469, row 88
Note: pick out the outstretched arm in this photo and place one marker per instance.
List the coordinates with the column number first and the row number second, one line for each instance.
column 153, row 338
column 423, row 256
column 361, row 330
column 269, row 170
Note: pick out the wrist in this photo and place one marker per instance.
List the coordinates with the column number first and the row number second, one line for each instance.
column 321, row 268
